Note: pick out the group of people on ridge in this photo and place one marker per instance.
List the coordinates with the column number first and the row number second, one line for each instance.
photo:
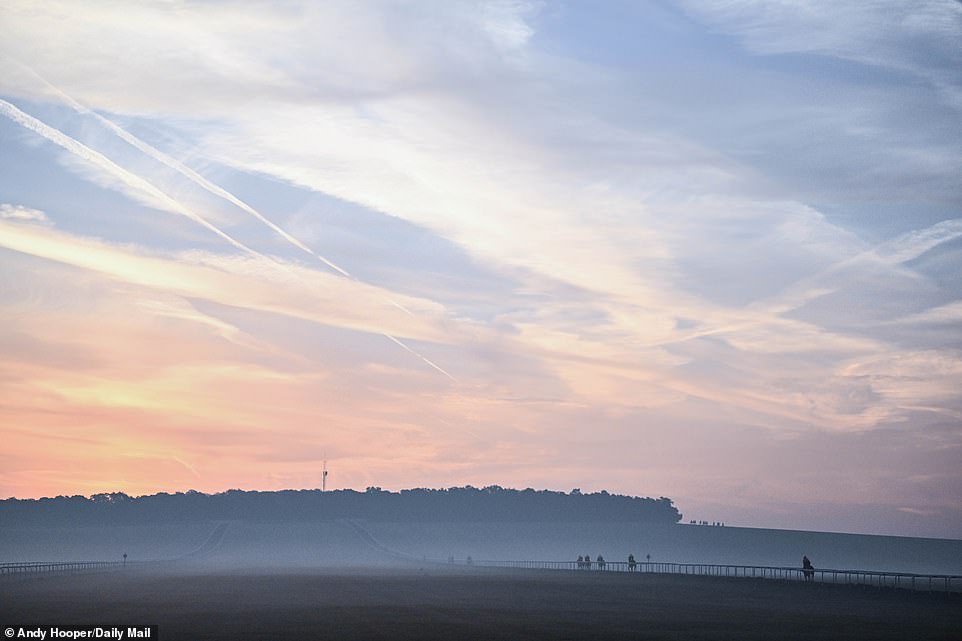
column 584, row 562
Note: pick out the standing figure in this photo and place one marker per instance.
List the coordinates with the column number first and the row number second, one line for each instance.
column 601, row 562
column 631, row 563
column 808, row 569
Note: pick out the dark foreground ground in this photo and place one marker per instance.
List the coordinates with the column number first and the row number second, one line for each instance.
column 441, row 603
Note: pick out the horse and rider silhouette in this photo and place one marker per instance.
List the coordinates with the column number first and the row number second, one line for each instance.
column 584, row 562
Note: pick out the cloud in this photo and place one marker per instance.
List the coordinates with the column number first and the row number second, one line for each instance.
column 144, row 190
column 21, row 213
column 592, row 225
column 406, row 48
column 189, row 173
column 919, row 37
column 236, row 281
column 132, row 184
column 916, row 243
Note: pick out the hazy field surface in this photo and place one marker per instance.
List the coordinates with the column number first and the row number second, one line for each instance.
column 143, row 542
column 441, row 603
column 278, row 544
column 677, row 543
column 325, row 543
column 268, row 544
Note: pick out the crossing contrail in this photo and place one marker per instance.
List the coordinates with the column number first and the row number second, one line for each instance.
column 131, row 180
column 181, row 168
column 156, row 197
column 196, row 178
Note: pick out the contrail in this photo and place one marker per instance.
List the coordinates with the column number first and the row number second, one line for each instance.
column 182, row 169
column 423, row 358
column 913, row 244
column 136, row 182
column 195, row 177
column 96, row 158
column 187, row 465
column 895, row 251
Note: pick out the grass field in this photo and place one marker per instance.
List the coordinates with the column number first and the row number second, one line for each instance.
column 203, row 602
column 326, row 543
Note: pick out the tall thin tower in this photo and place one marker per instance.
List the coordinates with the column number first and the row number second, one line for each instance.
column 324, row 477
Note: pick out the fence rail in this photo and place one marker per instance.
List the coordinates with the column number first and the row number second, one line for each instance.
column 66, row 566
column 901, row 580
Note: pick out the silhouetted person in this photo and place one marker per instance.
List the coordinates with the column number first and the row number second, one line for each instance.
column 601, row 562
column 587, row 561
column 808, row 569
column 581, row 562
column 125, row 558
column 631, row 563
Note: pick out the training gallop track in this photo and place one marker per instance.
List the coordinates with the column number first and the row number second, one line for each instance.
column 927, row 582
column 901, row 580
column 212, row 542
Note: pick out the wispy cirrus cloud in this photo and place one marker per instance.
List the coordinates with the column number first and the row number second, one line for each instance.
column 133, row 184
column 232, row 280
column 21, row 213
column 146, row 191
column 915, row 37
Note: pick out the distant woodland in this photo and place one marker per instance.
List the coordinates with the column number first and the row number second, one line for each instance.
column 468, row 503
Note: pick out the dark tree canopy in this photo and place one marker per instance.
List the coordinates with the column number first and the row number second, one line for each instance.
column 467, row 503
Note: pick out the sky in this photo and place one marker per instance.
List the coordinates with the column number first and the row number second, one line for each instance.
column 703, row 250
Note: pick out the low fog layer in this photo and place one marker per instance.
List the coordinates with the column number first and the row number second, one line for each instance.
column 341, row 529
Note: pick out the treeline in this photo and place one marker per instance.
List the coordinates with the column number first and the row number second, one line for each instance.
column 468, row 503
